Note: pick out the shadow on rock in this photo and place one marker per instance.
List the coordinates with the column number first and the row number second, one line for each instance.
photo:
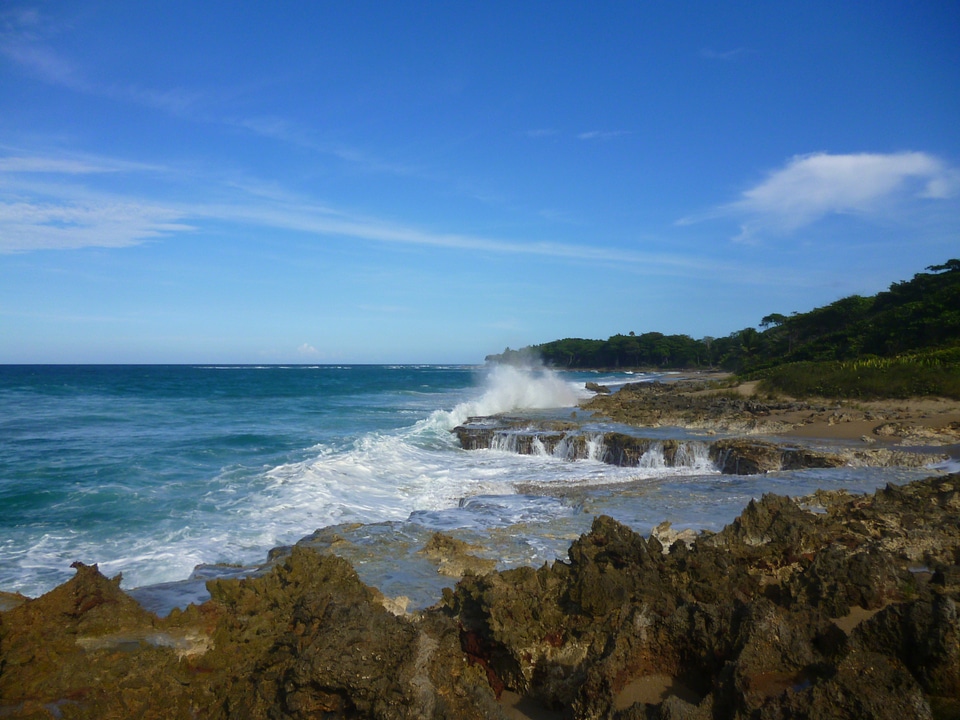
column 847, row 612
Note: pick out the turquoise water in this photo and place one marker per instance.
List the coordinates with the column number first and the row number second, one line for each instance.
column 134, row 465
column 150, row 471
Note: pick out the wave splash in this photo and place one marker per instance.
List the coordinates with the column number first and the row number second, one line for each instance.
column 388, row 475
column 509, row 388
column 391, row 476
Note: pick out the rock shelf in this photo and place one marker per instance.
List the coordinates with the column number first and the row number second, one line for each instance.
column 831, row 606
column 736, row 456
column 849, row 611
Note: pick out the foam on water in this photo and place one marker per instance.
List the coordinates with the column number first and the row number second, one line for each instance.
column 510, row 388
column 390, row 476
column 948, row 466
column 227, row 483
column 379, row 476
column 399, row 475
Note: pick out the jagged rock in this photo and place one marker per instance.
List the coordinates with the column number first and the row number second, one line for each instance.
column 698, row 405
column 87, row 649
column 667, row 536
column 751, row 622
column 925, row 636
column 310, row 638
column 733, row 456
column 304, row 640
column 689, row 404
column 740, row 624
column 751, row 457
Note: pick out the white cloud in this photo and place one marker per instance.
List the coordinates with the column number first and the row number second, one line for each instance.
column 36, row 225
column 811, row 187
column 59, row 214
column 66, row 166
column 602, row 134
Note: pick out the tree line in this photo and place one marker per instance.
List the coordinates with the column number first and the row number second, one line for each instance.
column 914, row 315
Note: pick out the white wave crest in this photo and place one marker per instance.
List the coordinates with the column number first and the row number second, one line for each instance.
column 509, row 388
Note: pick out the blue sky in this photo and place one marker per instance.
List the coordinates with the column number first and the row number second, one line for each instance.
column 431, row 182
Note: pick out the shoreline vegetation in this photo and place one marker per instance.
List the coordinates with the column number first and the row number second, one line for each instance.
column 900, row 343
column 831, row 605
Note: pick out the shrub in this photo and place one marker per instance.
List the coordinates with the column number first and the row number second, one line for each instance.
column 930, row 373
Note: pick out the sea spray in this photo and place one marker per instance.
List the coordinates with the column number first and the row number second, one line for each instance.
column 151, row 470
column 508, row 388
column 387, row 476
column 653, row 458
column 695, row 455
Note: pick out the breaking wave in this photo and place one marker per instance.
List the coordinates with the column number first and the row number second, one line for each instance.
column 508, row 388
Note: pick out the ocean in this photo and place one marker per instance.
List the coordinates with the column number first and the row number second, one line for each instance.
column 170, row 475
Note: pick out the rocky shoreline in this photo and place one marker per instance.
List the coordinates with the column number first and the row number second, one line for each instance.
column 733, row 455
column 834, row 605
column 713, row 403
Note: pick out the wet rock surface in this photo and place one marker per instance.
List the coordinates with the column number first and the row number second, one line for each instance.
column 746, row 623
column 734, row 456
column 305, row 640
column 454, row 557
column 833, row 606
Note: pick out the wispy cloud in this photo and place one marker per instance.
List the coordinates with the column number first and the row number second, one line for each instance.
column 35, row 225
column 559, row 216
column 542, row 133
column 63, row 214
column 42, row 62
column 312, row 220
column 55, row 202
column 711, row 54
column 384, row 309
column 75, row 164
column 587, row 135
column 602, row 134
column 22, row 40
column 811, row 187
column 50, row 165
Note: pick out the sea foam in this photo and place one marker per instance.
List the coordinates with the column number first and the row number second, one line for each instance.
column 173, row 467
column 508, row 388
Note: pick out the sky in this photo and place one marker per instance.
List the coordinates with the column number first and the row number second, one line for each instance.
column 431, row 182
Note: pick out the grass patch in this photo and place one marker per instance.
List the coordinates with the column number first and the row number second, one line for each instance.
column 934, row 373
